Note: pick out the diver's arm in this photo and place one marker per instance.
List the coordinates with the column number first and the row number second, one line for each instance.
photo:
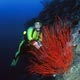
column 40, row 39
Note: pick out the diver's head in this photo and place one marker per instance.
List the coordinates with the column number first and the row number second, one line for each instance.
column 37, row 25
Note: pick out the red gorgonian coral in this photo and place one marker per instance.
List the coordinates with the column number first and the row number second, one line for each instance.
column 55, row 56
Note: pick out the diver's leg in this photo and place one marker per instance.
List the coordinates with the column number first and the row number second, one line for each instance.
column 14, row 61
column 19, row 49
column 17, row 55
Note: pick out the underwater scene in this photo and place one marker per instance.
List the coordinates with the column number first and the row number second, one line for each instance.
column 40, row 39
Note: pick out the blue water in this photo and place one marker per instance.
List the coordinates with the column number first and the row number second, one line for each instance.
column 13, row 15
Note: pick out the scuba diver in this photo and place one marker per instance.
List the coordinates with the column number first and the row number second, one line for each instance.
column 32, row 37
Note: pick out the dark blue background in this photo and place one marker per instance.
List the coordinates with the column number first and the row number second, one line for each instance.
column 13, row 15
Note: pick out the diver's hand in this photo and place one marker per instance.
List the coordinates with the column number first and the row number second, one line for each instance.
column 36, row 44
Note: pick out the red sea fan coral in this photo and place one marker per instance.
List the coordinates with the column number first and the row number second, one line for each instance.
column 55, row 56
